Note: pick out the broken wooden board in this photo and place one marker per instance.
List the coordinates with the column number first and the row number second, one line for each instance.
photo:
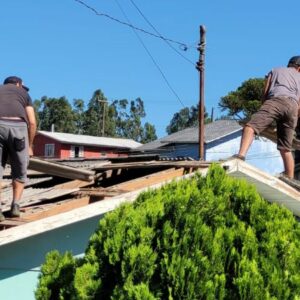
column 291, row 182
column 155, row 164
column 134, row 184
column 56, row 169
column 38, row 195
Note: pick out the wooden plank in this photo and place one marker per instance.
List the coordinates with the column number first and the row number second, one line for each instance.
column 56, row 169
column 148, row 180
column 73, row 184
column 11, row 222
column 33, row 196
column 155, row 164
column 55, row 209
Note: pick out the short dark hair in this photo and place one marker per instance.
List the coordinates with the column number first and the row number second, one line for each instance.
column 294, row 62
column 15, row 80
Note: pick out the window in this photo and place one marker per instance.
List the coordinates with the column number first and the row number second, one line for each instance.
column 49, row 150
column 76, row 151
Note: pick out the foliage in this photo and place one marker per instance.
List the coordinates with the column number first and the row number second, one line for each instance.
column 149, row 133
column 122, row 118
column 186, row 117
column 246, row 100
column 78, row 108
column 94, row 115
column 129, row 117
column 207, row 237
column 58, row 275
column 57, row 112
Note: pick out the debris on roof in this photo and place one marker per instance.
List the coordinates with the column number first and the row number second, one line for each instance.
column 48, row 200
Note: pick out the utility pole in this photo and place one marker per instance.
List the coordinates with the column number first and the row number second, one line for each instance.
column 200, row 68
column 103, row 116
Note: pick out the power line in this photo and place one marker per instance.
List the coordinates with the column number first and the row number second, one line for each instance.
column 182, row 46
column 166, row 41
column 152, row 58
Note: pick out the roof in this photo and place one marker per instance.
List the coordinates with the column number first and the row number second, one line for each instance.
column 212, row 131
column 107, row 199
column 69, row 138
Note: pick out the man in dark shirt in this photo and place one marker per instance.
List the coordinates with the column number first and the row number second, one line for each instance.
column 17, row 131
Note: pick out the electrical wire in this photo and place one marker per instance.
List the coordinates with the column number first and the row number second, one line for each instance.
column 150, row 55
column 159, row 34
column 183, row 46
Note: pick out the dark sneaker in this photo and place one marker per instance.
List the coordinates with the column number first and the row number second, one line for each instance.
column 2, row 218
column 290, row 181
column 241, row 157
column 15, row 210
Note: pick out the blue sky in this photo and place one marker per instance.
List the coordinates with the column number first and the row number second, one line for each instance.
column 61, row 48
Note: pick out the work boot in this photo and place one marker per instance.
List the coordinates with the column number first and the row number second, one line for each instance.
column 2, row 218
column 15, row 210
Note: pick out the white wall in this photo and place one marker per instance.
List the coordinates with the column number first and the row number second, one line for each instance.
column 262, row 154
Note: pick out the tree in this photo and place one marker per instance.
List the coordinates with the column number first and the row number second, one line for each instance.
column 122, row 118
column 57, row 112
column 149, row 133
column 186, row 117
column 246, row 100
column 209, row 237
column 37, row 106
column 128, row 118
column 93, row 116
column 78, row 109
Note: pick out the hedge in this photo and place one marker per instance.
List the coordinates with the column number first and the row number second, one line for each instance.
column 209, row 237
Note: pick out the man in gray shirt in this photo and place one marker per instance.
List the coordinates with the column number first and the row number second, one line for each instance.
column 282, row 96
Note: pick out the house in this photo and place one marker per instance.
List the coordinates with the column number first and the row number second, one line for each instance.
column 23, row 247
column 221, row 140
column 69, row 146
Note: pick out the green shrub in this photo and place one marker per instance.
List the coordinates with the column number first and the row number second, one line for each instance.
column 207, row 237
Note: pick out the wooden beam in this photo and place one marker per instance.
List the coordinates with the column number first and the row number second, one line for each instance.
column 148, row 180
column 56, row 169
column 55, row 209
column 155, row 164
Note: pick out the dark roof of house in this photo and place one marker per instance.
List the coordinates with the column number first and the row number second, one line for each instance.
column 212, row 131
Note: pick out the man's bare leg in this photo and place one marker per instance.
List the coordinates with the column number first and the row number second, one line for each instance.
column 18, row 188
column 288, row 162
column 246, row 141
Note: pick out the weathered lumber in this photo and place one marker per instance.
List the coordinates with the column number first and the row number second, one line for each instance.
column 155, row 164
column 56, row 169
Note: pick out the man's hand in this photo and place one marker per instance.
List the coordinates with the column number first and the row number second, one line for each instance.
column 30, row 151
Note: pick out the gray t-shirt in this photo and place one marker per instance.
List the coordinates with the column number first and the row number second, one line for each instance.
column 13, row 101
column 285, row 82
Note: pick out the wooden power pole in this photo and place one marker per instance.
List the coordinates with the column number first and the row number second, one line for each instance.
column 200, row 68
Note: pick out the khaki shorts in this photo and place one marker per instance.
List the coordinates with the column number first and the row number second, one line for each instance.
column 282, row 110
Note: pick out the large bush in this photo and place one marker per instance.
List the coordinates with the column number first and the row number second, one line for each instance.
column 207, row 237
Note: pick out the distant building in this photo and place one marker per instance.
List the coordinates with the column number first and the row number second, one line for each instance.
column 59, row 145
column 221, row 140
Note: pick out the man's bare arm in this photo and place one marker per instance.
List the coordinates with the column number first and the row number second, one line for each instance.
column 31, row 127
column 267, row 87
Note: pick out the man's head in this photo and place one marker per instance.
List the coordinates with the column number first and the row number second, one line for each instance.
column 294, row 62
column 16, row 81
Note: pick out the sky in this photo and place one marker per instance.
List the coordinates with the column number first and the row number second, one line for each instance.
column 62, row 48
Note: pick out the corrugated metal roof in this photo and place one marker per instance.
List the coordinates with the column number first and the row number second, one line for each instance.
column 212, row 131
column 77, row 139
